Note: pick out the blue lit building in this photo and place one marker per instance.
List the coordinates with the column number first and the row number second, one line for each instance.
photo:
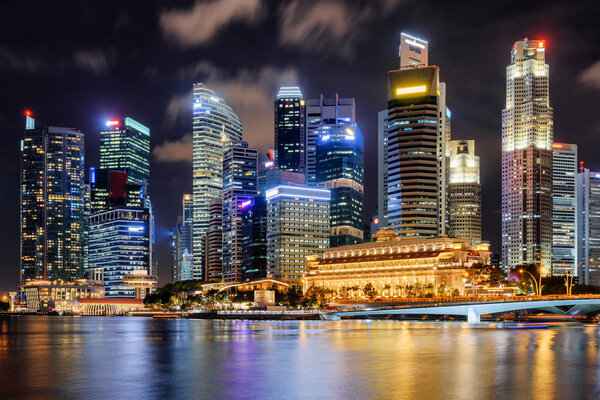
column 340, row 168
column 297, row 226
column 240, row 186
column 119, row 244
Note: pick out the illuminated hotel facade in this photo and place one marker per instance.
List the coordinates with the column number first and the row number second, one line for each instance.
column 52, row 202
column 464, row 192
column 527, row 136
column 213, row 122
column 297, row 226
column 564, row 208
column 290, row 152
column 394, row 265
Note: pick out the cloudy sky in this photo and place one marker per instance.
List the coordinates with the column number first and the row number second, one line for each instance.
column 80, row 63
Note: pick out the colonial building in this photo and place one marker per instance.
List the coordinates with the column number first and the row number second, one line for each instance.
column 395, row 266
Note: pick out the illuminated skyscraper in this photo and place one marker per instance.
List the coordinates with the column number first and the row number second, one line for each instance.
column 464, row 192
column 340, row 168
column 382, row 169
column 320, row 113
column 125, row 146
column 289, row 130
column 213, row 122
column 182, row 242
column 564, row 208
column 214, row 242
column 588, row 227
column 527, row 136
column 297, row 226
column 52, row 202
column 240, row 186
column 418, row 135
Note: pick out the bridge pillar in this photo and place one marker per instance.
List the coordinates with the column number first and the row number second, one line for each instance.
column 472, row 316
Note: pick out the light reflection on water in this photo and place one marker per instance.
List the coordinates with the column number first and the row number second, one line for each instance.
column 142, row 358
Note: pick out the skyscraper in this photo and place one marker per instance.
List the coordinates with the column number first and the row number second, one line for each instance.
column 214, row 242
column 297, row 226
column 182, row 242
column 289, row 130
column 527, row 136
column 418, row 132
column 413, row 52
column 254, row 238
column 323, row 112
column 52, row 203
column 240, row 186
column 588, row 227
column 119, row 246
column 382, row 169
column 464, row 192
column 213, row 122
column 125, row 146
column 564, row 208
column 340, row 168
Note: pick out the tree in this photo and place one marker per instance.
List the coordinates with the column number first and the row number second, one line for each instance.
column 4, row 306
column 387, row 287
column 294, row 295
column 354, row 289
column 370, row 291
column 528, row 273
column 485, row 274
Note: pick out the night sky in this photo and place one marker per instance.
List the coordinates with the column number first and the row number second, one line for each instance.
column 80, row 63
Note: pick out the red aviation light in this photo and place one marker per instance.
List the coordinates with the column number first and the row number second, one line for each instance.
column 28, row 113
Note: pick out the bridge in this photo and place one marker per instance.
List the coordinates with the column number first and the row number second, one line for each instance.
column 473, row 311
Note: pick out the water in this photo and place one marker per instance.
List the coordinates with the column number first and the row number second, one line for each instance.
column 142, row 358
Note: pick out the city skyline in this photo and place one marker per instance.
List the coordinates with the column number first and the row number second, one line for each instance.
column 463, row 125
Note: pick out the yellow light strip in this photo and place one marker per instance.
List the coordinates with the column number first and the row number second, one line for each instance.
column 412, row 89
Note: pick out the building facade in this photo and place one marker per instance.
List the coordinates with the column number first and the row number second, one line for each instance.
column 340, row 168
column 297, row 226
column 588, row 227
column 119, row 245
column 290, row 152
column 418, row 132
column 45, row 296
column 214, row 242
column 254, row 238
column 395, row 267
column 564, row 208
column 527, row 136
column 213, row 122
column 182, row 241
column 464, row 192
column 321, row 113
column 52, row 202
column 382, row 168
column 240, row 186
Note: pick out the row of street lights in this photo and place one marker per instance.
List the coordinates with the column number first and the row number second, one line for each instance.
column 568, row 279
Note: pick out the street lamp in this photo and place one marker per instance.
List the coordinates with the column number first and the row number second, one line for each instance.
column 569, row 278
column 538, row 285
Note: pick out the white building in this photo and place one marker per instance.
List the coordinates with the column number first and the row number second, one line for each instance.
column 213, row 123
column 564, row 208
column 588, row 227
column 527, row 136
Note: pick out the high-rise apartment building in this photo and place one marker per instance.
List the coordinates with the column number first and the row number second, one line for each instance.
column 588, row 227
column 527, row 136
column 464, row 192
column 52, row 202
column 322, row 113
column 290, row 152
column 297, row 226
column 564, row 208
column 182, row 242
column 340, row 168
column 120, row 247
column 213, row 123
column 240, row 186
column 214, row 242
column 125, row 146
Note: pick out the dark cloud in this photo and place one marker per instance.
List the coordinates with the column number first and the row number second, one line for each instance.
column 98, row 62
column 175, row 151
column 591, row 76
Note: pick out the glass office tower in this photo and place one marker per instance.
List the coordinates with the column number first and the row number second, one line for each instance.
column 213, row 123
column 52, row 202
column 289, row 130
column 182, row 242
column 340, row 168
